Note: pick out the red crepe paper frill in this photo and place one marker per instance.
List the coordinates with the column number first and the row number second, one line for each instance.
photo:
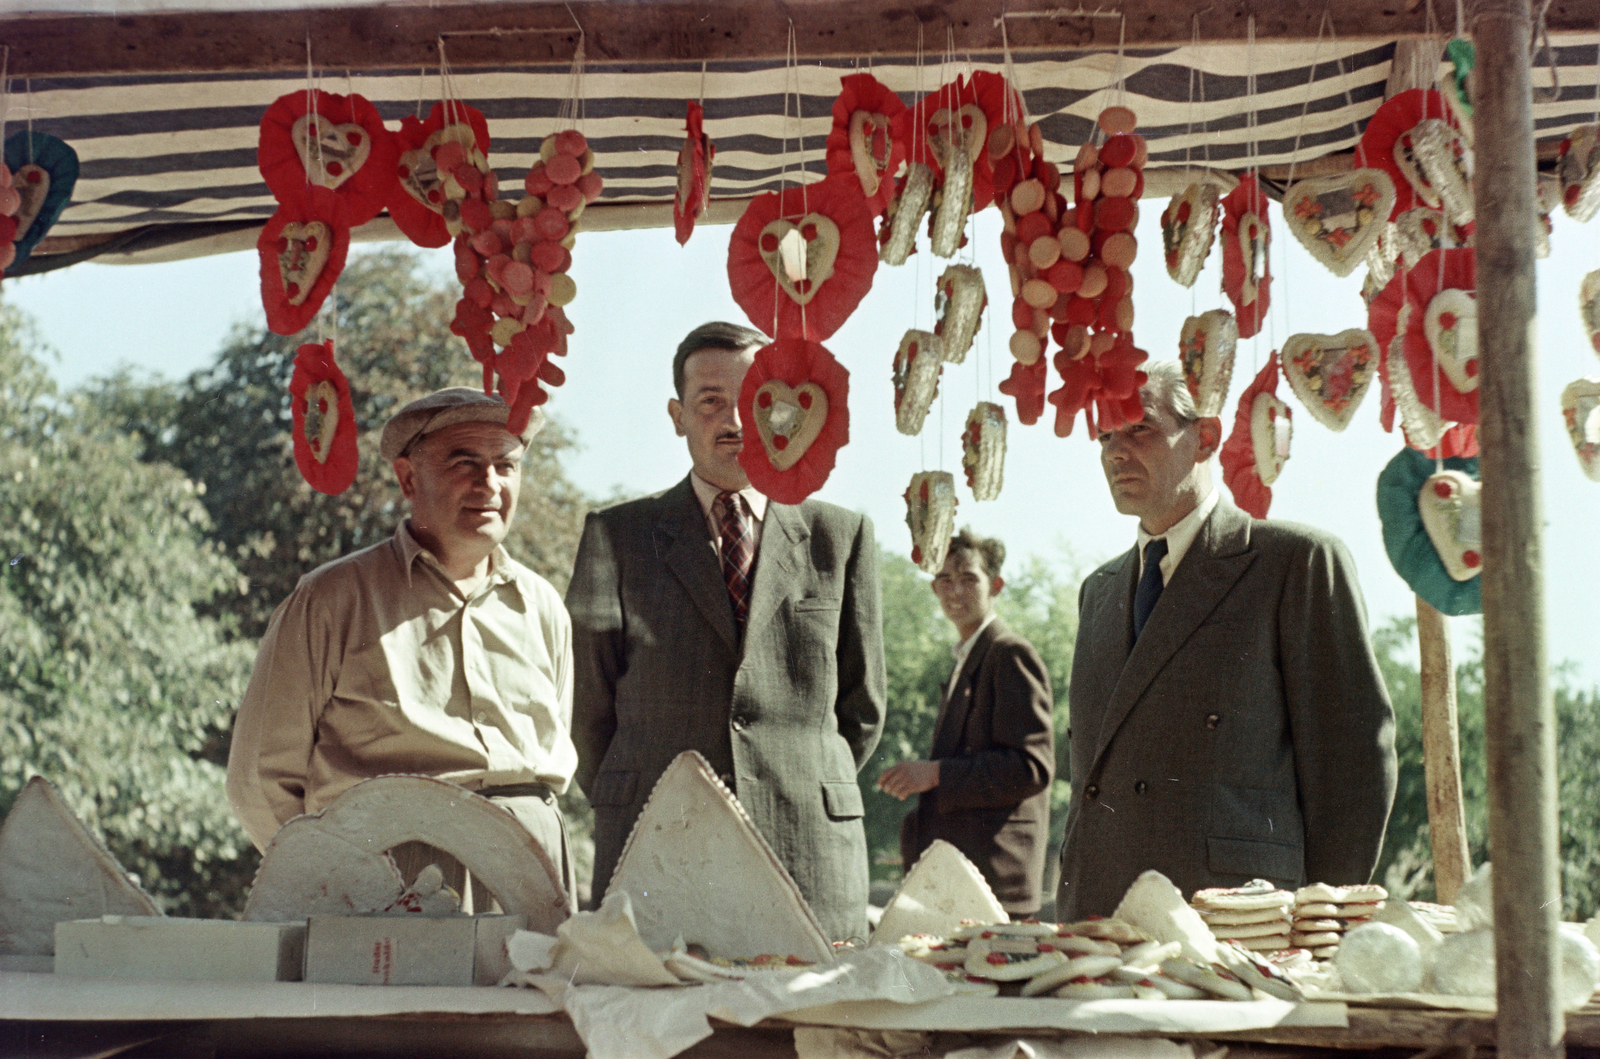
column 694, row 165
column 327, row 462
column 1026, row 385
column 863, row 92
column 1398, row 116
column 1104, row 387
column 1238, row 456
column 10, row 203
column 285, row 240
column 755, row 284
column 417, row 198
column 1247, row 198
column 367, row 190
column 794, row 361
column 1437, row 271
column 926, row 123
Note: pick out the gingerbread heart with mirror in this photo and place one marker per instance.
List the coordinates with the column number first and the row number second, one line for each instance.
column 1340, row 218
column 1450, row 504
column 1330, row 373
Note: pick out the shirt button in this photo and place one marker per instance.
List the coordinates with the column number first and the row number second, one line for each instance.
column 1213, row 720
column 1091, row 792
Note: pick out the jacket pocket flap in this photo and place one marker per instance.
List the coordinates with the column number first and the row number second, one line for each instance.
column 817, row 603
column 1279, row 863
column 614, row 788
column 842, row 800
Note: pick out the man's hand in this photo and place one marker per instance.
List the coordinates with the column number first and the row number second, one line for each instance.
column 908, row 778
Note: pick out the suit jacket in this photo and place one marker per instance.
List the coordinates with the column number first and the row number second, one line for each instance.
column 1247, row 734
column 996, row 750
column 786, row 714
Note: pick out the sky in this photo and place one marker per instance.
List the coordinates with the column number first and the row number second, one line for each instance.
column 639, row 293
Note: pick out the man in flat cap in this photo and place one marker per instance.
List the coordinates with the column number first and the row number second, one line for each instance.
column 433, row 652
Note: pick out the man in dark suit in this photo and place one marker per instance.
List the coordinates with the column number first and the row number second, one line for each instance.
column 1228, row 721
column 986, row 786
column 708, row 618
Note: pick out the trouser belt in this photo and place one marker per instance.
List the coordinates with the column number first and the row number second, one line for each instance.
column 517, row 790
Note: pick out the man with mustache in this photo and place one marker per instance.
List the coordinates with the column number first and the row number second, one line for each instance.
column 709, row 618
column 432, row 652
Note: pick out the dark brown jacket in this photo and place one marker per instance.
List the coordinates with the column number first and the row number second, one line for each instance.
column 996, row 750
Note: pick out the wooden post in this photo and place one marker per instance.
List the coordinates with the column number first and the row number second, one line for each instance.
column 1519, row 714
column 1441, row 755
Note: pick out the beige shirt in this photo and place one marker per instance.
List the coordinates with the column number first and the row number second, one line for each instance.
column 377, row 664
column 1179, row 537
column 707, row 494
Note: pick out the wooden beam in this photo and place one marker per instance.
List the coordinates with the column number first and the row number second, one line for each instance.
column 404, row 35
column 1519, row 717
column 1441, row 755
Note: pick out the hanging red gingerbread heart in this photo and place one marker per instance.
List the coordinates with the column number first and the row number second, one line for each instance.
column 338, row 143
column 1388, row 144
column 694, row 174
column 1441, row 333
column 324, row 420
column 1256, row 451
column 794, row 406
column 302, row 250
column 417, row 199
column 862, row 139
column 44, row 171
column 1246, row 247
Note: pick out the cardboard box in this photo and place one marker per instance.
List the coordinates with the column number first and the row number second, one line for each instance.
column 408, row 949
column 188, row 949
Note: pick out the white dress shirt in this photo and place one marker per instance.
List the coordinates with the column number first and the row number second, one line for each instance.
column 961, row 651
column 755, row 504
column 1179, row 537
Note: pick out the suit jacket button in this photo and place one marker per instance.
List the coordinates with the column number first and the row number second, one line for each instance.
column 1212, row 720
column 1140, row 787
column 1091, row 792
column 738, row 724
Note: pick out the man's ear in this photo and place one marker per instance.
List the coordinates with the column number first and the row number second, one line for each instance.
column 406, row 471
column 996, row 585
column 675, row 413
column 1210, row 428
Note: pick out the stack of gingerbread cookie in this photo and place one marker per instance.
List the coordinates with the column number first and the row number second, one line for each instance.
column 1255, row 915
column 1323, row 913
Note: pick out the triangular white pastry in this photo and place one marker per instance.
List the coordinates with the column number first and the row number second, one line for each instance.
column 1157, row 907
column 942, row 888
column 336, row 862
column 695, row 865
column 52, row 868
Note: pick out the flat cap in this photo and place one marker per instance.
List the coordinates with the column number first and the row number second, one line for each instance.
column 445, row 408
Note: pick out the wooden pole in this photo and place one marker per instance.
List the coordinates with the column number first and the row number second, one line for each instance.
column 1519, row 714
column 1441, row 755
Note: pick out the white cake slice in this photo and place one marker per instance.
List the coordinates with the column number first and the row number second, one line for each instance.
column 696, row 866
column 1157, row 907
column 52, row 869
column 942, row 888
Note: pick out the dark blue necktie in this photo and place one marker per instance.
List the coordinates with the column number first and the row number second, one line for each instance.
column 1150, row 584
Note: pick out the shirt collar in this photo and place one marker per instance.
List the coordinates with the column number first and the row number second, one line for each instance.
column 411, row 549
column 707, row 494
column 1181, row 535
column 964, row 648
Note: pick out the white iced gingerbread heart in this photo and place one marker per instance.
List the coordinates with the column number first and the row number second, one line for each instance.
column 1446, row 164
column 1421, row 230
column 1579, row 169
column 905, row 214
column 1422, row 425
column 322, row 419
column 1340, row 218
column 1588, row 307
column 1188, row 227
column 788, row 419
column 955, row 203
column 306, row 246
column 1580, row 411
column 870, row 140
column 32, row 183
column 1405, row 158
column 800, row 255
column 1450, row 505
column 1270, row 432
column 959, row 303
column 967, row 125
column 931, row 516
column 983, row 450
column 1205, row 347
column 331, row 154
column 1330, row 373
column 1451, row 324
column 917, row 364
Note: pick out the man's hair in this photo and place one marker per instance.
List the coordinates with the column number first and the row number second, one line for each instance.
column 991, row 551
column 714, row 335
column 1166, row 385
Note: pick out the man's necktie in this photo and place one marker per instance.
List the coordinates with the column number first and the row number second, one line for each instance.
column 1150, row 584
column 738, row 554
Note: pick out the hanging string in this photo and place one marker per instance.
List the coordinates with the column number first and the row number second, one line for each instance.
column 799, row 139
column 702, row 84
column 314, row 126
column 5, row 88
column 422, row 86
column 27, row 91
column 1294, row 155
column 1338, row 59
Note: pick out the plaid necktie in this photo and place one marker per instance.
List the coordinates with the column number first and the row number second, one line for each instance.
column 1150, row 585
column 738, row 554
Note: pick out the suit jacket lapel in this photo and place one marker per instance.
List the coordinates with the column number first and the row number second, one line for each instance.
column 957, row 701
column 1219, row 555
column 687, row 541
column 783, row 539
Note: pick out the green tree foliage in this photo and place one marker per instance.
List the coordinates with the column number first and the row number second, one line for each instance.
column 112, row 686
column 229, row 426
column 1406, row 867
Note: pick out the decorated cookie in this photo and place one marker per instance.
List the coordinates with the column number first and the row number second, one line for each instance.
column 905, row 212
column 302, row 250
column 1004, row 959
column 931, row 516
column 1255, row 452
column 324, row 420
column 1340, row 218
column 1052, row 978
column 861, row 140
column 1246, row 269
column 1387, row 143
column 1271, row 429
column 1580, row 411
column 799, row 263
column 1330, row 373
column 416, row 200
column 1257, row 894
column 1215, row 979
column 959, row 302
column 1361, row 893
column 917, row 364
column 1441, row 334
column 1450, row 505
column 793, row 405
column 1188, row 226
column 955, row 203
column 1589, row 308
column 1206, row 347
column 694, row 174
column 44, row 170
column 1257, row 971
column 311, row 137
column 1445, row 160
column 1578, row 166
column 1026, row 386
column 983, row 450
